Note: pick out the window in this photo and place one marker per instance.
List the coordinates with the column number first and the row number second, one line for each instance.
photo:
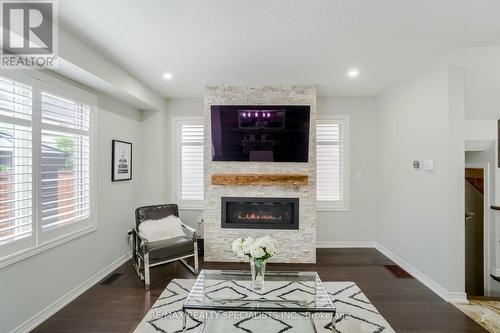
column 16, row 101
column 332, row 163
column 65, row 161
column 188, row 173
column 45, row 164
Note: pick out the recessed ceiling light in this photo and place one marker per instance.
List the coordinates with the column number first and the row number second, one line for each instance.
column 353, row 73
column 167, row 76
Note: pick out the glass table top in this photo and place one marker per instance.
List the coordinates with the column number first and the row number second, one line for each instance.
column 283, row 292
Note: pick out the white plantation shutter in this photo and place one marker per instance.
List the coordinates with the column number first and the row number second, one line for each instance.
column 65, row 176
column 191, row 162
column 45, row 164
column 15, row 99
column 331, row 163
column 187, row 141
column 16, row 211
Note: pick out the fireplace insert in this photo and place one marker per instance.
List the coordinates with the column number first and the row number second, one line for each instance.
column 260, row 213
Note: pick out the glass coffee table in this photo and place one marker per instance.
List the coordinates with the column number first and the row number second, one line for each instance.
column 224, row 299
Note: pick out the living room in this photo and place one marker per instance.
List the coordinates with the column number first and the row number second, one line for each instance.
column 250, row 166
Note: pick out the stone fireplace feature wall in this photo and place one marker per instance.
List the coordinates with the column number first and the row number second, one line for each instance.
column 294, row 246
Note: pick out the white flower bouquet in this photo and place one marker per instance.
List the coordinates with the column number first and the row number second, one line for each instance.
column 257, row 250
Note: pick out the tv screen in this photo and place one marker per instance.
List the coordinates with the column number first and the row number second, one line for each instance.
column 275, row 133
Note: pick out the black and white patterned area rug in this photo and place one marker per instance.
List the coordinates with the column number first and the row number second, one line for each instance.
column 355, row 314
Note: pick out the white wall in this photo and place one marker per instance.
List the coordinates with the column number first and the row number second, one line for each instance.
column 419, row 119
column 351, row 228
column 30, row 285
column 481, row 129
column 189, row 107
column 456, row 182
column 156, row 140
column 357, row 226
column 482, row 77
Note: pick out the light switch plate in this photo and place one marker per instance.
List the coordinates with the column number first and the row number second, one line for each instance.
column 429, row 165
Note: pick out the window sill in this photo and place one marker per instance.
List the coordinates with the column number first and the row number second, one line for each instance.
column 336, row 209
column 190, row 207
column 21, row 255
column 332, row 207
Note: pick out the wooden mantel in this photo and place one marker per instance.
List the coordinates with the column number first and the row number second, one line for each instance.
column 259, row 179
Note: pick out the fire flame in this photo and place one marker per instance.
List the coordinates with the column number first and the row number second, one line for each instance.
column 254, row 216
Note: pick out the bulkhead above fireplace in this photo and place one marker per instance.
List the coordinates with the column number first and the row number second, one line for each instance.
column 260, row 213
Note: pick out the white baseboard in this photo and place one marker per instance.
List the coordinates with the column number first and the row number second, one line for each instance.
column 50, row 310
column 344, row 244
column 452, row 297
column 495, row 271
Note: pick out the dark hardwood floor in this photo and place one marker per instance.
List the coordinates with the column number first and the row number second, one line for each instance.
column 405, row 303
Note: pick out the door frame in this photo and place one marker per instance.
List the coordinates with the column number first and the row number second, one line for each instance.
column 486, row 221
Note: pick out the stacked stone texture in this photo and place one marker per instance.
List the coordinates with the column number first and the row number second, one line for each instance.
column 294, row 246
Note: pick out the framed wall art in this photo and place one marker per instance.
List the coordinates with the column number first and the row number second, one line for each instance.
column 121, row 160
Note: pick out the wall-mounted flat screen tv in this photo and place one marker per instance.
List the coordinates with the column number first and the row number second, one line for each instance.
column 260, row 133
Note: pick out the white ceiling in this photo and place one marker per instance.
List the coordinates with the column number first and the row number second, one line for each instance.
column 243, row 42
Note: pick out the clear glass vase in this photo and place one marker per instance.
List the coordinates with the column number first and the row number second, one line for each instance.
column 258, row 269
